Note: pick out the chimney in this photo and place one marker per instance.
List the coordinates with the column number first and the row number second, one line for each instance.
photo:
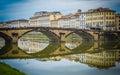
column 78, row 11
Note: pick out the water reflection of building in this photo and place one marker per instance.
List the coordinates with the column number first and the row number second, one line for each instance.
column 72, row 45
column 77, row 57
column 57, row 58
column 32, row 46
column 102, row 60
column 2, row 42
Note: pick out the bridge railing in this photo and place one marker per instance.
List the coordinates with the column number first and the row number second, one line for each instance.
column 58, row 28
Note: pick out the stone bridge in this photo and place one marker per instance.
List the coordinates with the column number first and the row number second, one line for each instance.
column 13, row 34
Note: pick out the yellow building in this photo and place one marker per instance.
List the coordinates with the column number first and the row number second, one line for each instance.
column 102, row 18
column 118, row 22
column 54, row 19
column 55, row 15
column 105, row 59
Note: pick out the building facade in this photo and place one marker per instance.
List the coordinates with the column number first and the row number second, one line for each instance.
column 16, row 23
column 44, row 18
column 69, row 21
column 34, row 21
column 82, row 17
column 54, row 23
column 1, row 24
column 117, row 22
column 102, row 18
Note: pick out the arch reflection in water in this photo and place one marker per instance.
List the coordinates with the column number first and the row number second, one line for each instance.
column 32, row 46
column 73, row 40
column 2, row 42
column 72, row 45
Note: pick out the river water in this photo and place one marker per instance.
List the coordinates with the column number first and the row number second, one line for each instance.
column 69, row 58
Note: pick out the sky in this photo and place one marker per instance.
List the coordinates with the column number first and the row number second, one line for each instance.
column 19, row 9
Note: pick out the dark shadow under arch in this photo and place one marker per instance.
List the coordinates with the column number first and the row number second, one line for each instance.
column 7, row 38
column 110, row 36
column 8, row 41
column 84, row 35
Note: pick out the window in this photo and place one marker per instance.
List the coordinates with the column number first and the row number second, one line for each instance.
column 112, row 17
column 110, row 13
column 109, row 17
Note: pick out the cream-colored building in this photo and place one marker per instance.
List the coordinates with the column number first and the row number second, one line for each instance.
column 16, row 23
column 44, row 19
column 34, row 21
column 54, row 23
column 69, row 21
column 117, row 22
column 1, row 24
column 101, row 18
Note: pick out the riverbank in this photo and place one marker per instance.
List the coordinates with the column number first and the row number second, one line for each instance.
column 35, row 36
column 8, row 70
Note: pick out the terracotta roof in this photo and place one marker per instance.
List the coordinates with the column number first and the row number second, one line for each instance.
column 16, row 20
column 101, row 10
column 69, row 16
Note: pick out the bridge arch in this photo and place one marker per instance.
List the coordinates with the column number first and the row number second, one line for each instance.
column 110, row 36
column 52, row 33
column 7, row 38
column 52, row 36
column 84, row 35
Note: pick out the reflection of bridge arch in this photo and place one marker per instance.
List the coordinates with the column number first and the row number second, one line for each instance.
column 110, row 36
column 53, row 49
column 61, row 49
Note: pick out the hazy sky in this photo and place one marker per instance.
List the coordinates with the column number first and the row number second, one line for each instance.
column 16, row 9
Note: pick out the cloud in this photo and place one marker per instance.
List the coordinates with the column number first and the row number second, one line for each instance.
column 27, row 8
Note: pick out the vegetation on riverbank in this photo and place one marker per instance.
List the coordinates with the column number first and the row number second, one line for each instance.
column 35, row 36
column 8, row 70
column 73, row 37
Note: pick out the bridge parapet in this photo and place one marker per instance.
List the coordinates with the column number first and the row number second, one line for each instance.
column 15, row 33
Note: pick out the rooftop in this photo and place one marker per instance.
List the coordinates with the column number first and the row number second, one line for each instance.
column 44, row 13
column 16, row 20
column 101, row 10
